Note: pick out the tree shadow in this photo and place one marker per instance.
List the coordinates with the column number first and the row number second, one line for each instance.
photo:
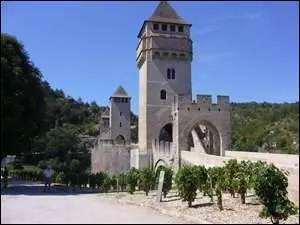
column 203, row 204
column 18, row 187
column 171, row 200
column 252, row 203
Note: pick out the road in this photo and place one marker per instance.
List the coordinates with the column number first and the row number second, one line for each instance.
column 26, row 203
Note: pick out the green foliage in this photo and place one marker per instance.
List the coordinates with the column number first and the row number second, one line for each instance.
column 107, row 183
column 22, row 98
column 253, row 122
column 230, row 169
column 217, row 175
column 167, row 185
column 75, row 166
column 114, row 183
column 147, row 178
column 100, row 177
column 61, row 178
column 271, row 187
column 187, row 183
column 132, row 179
column 122, row 181
column 201, row 173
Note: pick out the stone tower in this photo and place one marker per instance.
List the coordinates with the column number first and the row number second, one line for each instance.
column 164, row 56
column 119, row 122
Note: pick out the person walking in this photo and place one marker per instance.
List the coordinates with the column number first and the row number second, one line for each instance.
column 48, row 173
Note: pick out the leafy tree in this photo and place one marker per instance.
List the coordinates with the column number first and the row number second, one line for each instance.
column 271, row 187
column 22, row 98
column 147, row 179
column 187, row 183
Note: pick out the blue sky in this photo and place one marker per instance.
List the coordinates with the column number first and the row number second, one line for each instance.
column 248, row 50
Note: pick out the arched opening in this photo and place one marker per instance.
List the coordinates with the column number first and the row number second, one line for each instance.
column 204, row 137
column 166, row 133
column 160, row 164
column 120, row 139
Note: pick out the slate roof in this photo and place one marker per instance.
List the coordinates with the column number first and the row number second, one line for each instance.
column 165, row 13
column 120, row 92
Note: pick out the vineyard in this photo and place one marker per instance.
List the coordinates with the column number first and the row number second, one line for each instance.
column 237, row 180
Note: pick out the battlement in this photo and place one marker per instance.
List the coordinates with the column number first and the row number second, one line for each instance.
column 202, row 102
column 110, row 142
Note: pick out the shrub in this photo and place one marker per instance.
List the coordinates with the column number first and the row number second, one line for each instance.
column 60, row 178
column 100, row 178
column 186, row 181
column 114, row 183
column 217, row 175
column 92, row 181
column 132, row 179
column 106, row 183
column 122, row 181
column 147, row 179
column 271, row 187
column 201, row 174
column 167, row 185
column 231, row 168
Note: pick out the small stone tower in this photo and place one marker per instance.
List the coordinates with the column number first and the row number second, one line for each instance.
column 164, row 56
column 119, row 122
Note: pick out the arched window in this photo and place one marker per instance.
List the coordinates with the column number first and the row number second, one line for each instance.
column 163, row 94
column 169, row 73
column 173, row 74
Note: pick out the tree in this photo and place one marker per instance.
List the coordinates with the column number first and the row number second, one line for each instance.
column 271, row 187
column 122, row 181
column 187, row 183
column 22, row 97
column 201, row 173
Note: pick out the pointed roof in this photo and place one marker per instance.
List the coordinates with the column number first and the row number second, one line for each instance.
column 120, row 92
column 165, row 13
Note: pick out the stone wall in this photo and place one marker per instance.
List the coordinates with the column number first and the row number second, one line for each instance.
column 109, row 157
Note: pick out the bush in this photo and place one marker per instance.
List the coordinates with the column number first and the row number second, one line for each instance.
column 231, row 168
column 122, row 181
column 186, row 181
column 106, row 183
column 60, row 178
column 167, row 185
column 132, row 180
column 271, row 187
column 217, row 176
column 147, row 179
column 201, row 174
column 114, row 183
column 100, row 178
column 92, row 181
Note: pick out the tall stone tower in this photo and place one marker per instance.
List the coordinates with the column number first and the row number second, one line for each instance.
column 119, row 122
column 164, row 56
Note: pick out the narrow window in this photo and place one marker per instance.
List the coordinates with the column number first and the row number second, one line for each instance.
column 173, row 74
column 180, row 28
column 168, row 74
column 164, row 27
column 163, row 94
column 174, row 55
column 156, row 54
column 120, row 113
column 172, row 27
column 120, row 124
column 182, row 55
column 155, row 26
column 166, row 54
